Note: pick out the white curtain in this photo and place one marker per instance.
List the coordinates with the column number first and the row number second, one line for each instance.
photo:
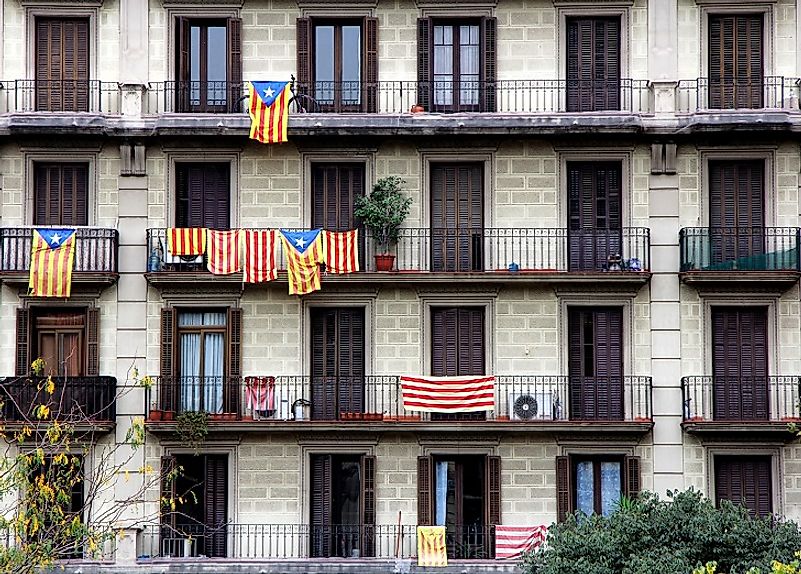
column 202, row 376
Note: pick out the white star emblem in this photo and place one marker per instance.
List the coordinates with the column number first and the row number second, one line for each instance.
column 300, row 242
column 55, row 239
column 269, row 93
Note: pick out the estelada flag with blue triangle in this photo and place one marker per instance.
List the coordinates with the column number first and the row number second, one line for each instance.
column 269, row 110
column 303, row 251
column 52, row 257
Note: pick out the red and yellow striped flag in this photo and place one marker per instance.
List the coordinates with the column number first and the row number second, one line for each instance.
column 431, row 546
column 52, row 257
column 303, row 251
column 341, row 251
column 259, row 256
column 188, row 241
column 222, row 252
column 269, row 111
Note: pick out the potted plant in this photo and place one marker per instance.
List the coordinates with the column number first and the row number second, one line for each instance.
column 192, row 428
column 383, row 212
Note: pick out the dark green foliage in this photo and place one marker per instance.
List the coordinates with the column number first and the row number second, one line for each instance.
column 671, row 536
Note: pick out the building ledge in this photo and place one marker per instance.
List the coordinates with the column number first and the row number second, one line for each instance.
column 774, row 430
column 102, row 279
column 763, row 279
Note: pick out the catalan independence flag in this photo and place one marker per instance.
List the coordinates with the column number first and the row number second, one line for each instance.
column 303, row 251
column 52, row 256
column 269, row 110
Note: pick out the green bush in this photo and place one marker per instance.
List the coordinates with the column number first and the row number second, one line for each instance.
column 673, row 536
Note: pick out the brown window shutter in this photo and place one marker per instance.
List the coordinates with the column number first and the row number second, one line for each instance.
column 424, row 85
column 235, row 86
column 215, row 499
column 371, row 65
column 80, row 87
column 321, row 512
column 745, row 480
column 593, row 64
column 632, row 476
column 736, row 64
column 92, row 342
column 368, row 505
column 167, row 360
column 304, row 55
column 232, row 382
column 183, row 44
column 48, row 64
column 444, row 345
column 564, row 494
column 169, row 466
column 493, row 490
column 23, row 362
column 489, row 63
column 425, row 491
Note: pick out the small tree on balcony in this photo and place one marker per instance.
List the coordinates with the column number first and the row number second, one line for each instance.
column 59, row 477
column 384, row 211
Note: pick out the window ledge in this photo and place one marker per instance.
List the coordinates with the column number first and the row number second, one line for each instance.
column 204, row 3
column 329, row 3
column 61, row 3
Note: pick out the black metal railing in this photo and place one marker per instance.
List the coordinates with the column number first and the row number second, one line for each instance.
column 281, row 398
column 741, row 399
column 776, row 92
column 81, row 399
column 739, row 248
column 59, row 96
column 394, row 97
column 95, row 249
column 520, row 250
column 279, row 541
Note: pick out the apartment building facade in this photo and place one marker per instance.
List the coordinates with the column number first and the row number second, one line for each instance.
column 605, row 217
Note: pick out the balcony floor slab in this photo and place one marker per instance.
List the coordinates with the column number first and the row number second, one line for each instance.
column 752, row 430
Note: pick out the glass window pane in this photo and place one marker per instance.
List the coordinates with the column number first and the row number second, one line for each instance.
column 194, row 64
column 351, row 63
column 585, row 491
column 441, row 492
column 610, row 487
column 217, row 64
column 324, row 63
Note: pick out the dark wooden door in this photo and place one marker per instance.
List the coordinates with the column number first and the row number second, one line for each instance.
column 457, row 217
column 736, row 211
column 594, row 214
column 335, row 188
column 216, row 504
column 740, row 363
column 593, row 64
column 745, row 480
column 60, row 342
column 61, row 194
column 203, row 195
column 735, row 61
column 595, row 363
column 62, row 64
column 337, row 362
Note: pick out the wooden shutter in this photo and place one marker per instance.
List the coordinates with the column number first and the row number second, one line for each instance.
column 169, row 465
column 564, row 491
column 234, row 379
column 183, row 45
column 92, row 342
column 425, row 491
column 736, row 211
column 61, row 193
column 203, row 193
column 489, row 63
column 745, row 480
column 457, row 335
column 168, row 392
column 62, row 65
column 234, row 69
column 368, row 505
column 371, row 65
column 631, row 476
column 335, row 188
column 23, row 361
column 321, row 517
column 736, row 61
column 457, row 217
column 215, row 498
column 593, row 64
column 424, row 84
column 493, row 486
column 304, row 55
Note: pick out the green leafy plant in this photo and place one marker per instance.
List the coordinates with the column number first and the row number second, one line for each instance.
column 384, row 211
column 192, row 428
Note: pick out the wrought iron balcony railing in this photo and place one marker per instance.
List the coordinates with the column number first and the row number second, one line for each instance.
column 741, row 399
column 59, row 96
column 394, row 97
column 95, row 249
column 768, row 92
column 523, row 250
column 290, row 398
column 76, row 399
column 739, row 248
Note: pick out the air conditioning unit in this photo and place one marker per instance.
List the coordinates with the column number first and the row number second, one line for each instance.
column 531, row 406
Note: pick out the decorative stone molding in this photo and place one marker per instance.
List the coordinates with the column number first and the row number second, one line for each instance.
column 303, row 4
column 461, row 5
column 203, row 3
column 61, row 3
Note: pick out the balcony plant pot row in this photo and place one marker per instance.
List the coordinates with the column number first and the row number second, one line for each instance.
column 348, row 416
column 161, row 415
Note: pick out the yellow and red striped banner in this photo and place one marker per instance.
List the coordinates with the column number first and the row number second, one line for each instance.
column 269, row 111
column 304, row 251
column 52, row 258
column 222, row 253
column 259, row 256
column 186, row 241
column 341, row 251
column 431, row 546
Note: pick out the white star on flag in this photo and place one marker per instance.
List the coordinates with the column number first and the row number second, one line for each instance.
column 55, row 239
column 300, row 242
column 269, row 93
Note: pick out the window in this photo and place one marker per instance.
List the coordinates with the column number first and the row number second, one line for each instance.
column 461, row 492
column 343, row 505
column 335, row 187
column 594, row 484
column 457, row 217
column 740, row 363
column 201, row 359
column 736, row 65
column 337, row 356
column 745, row 480
column 200, row 493
column 209, row 65
column 61, row 192
column 337, row 63
column 203, row 195
column 594, row 201
column 593, row 64
column 456, row 64
column 62, row 64
column 595, row 363
column 737, row 211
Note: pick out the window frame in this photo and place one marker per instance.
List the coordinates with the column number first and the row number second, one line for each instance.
column 203, row 105
column 596, row 459
column 709, row 8
column 338, row 22
column 188, row 165
column 35, row 155
column 38, row 164
column 776, row 454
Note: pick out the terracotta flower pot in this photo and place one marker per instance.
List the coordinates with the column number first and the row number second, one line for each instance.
column 155, row 415
column 417, row 108
column 384, row 262
column 168, row 416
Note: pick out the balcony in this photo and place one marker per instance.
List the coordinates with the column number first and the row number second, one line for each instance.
column 741, row 405
column 491, row 255
column 95, row 255
column 735, row 95
column 740, row 255
column 83, row 401
column 63, row 96
column 528, row 403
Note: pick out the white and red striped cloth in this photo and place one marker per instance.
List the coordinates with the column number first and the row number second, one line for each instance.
column 222, row 251
column 259, row 256
column 448, row 394
column 341, row 251
column 513, row 541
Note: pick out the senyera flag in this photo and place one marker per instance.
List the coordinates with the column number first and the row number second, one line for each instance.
column 259, row 256
column 341, row 251
column 513, row 541
column 448, row 394
column 269, row 110
column 222, row 252
column 52, row 257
